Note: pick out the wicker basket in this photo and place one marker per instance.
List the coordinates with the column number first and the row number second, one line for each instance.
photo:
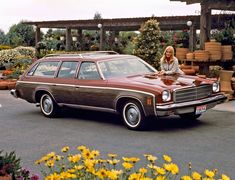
column 227, row 53
column 190, row 56
column 181, row 53
column 201, row 55
column 214, row 48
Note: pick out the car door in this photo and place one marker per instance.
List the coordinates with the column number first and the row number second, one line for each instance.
column 91, row 88
column 64, row 83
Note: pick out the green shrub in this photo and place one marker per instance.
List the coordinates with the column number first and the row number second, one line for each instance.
column 4, row 47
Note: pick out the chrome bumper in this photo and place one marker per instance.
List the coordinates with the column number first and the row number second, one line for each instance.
column 13, row 93
column 189, row 107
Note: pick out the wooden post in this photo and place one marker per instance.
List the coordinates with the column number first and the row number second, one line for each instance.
column 68, row 39
column 205, row 24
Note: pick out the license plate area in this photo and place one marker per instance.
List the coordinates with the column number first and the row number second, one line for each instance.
column 200, row 109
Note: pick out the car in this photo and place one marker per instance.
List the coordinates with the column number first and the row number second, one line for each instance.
column 111, row 82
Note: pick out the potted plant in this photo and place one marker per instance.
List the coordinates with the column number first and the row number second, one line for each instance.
column 9, row 166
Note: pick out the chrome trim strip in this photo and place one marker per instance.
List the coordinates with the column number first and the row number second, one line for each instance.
column 92, row 87
column 89, row 107
column 219, row 97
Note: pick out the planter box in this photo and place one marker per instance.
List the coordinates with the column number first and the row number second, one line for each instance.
column 7, row 84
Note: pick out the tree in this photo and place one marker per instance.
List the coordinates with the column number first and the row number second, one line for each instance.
column 147, row 43
column 2, row 37
column 97, row 15
column 21, row 34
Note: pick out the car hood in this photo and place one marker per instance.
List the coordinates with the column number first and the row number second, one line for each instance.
column 163, row 81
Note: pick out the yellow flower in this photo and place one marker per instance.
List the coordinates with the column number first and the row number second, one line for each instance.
column 161, row 178
column 151, row 158
column 95, row 153
column 86, row 154
column 209, row 173
column 167, row 158
column 127, row 165
column 89, row 163
column 134, row 176
column 134, row 159
column 101, row 173
column 53, row 176
column 74, row 158
column 174, row 168
column 126, row 159
column 224, row 177
column 79, row 167
column 81, row 148
column 58, row 158
column 196, row 176
column 142, row 170
column 113, row 162
column 50, row 163
column 50, row 155
column 160, row 170
column 186, row 178
column 112, row 155
column 65, row 149
column 113, row 174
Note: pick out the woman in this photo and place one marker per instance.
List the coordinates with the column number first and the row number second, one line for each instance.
column 169, row 63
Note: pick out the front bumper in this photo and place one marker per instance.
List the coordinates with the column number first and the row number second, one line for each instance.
column 14, row 93
column 189, row 107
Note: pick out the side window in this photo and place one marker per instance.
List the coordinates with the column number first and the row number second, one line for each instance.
column 88, row 70
column 46, row 69
column 31, row 71
column 67, row 70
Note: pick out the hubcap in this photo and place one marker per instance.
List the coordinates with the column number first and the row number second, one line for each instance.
column 47, row 104
column 132, row 115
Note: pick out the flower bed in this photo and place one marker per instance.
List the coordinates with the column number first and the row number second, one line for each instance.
column 87, row 164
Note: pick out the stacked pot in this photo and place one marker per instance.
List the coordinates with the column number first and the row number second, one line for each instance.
column 226, row 82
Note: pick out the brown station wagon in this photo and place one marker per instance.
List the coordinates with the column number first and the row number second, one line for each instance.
column 123, row 84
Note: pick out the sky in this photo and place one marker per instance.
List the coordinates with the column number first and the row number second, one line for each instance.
column 14, row 11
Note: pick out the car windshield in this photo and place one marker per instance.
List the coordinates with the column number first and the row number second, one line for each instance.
column 125, row 67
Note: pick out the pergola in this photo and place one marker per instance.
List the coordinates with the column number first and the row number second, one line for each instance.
column 127, row 24
column 206, row 17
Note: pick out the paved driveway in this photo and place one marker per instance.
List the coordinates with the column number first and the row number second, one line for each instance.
column 207, row 143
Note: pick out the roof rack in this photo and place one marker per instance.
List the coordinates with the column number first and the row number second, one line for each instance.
column 93, row 53
column 62, row 55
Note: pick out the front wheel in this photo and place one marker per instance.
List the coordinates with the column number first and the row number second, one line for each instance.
column 133, row 115
column 190, row 116
column 48, row 106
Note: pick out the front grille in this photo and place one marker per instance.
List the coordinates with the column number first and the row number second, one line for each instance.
column 192, row 93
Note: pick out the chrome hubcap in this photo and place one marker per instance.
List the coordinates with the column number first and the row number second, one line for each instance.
column 132, row 115
column 47, row 104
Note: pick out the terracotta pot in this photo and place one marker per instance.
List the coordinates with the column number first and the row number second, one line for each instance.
column 225, row 75
column 189, row 71
column 6, row 177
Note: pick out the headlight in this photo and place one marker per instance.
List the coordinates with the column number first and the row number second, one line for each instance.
column 166, row 95
column 215, row 87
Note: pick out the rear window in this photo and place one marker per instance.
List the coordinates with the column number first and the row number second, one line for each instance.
column 46, row 69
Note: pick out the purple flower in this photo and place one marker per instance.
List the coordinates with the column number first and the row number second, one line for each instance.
column 35, row 177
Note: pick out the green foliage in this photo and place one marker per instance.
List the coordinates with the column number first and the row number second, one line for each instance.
column 4, row 47
column 9, row 164
column 3, row 38
column 147, row 43
column 97, row 15
column 21, row 34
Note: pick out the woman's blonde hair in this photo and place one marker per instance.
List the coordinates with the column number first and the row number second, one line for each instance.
column 172, row 54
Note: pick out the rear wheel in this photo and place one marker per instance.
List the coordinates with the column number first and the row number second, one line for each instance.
column 133, row 115
column 48, row 106
column 190, row 116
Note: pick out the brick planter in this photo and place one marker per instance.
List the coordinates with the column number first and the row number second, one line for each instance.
column 7, row 84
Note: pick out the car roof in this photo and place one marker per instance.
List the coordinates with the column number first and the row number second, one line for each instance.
column 89, row 56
